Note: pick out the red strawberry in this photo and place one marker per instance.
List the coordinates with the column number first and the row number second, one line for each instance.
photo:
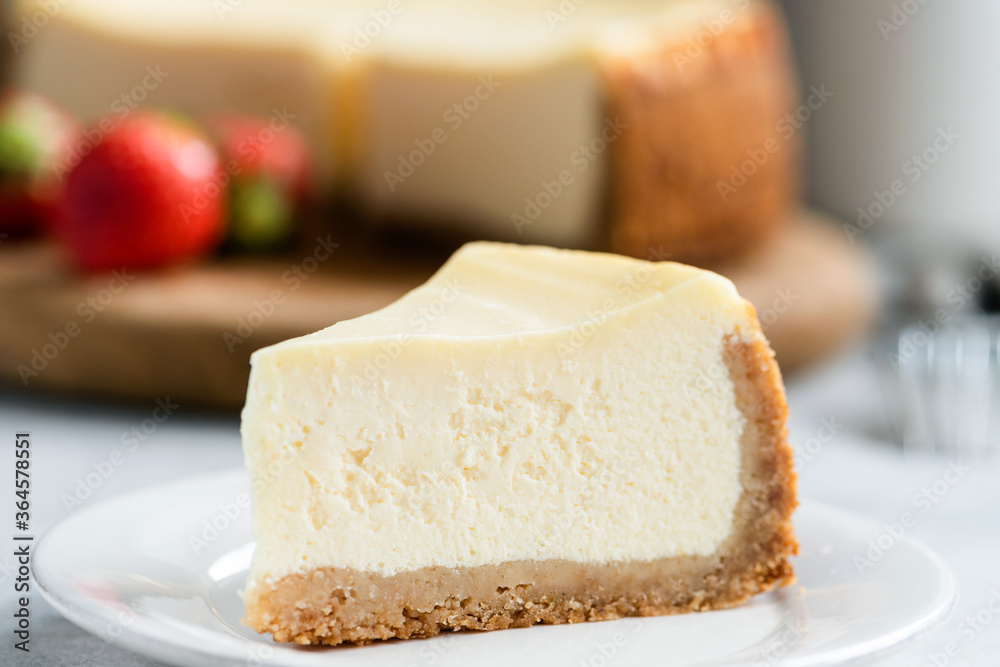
column 147, row 195
column 269, row 163
column 34, row 136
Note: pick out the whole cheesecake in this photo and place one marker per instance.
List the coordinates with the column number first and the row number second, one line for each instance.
column 607, row 124
column 533, row 436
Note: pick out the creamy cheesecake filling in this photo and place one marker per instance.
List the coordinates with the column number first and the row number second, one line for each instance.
column 521, row 406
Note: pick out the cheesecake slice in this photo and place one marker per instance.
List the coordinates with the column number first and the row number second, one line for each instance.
column 533, row 436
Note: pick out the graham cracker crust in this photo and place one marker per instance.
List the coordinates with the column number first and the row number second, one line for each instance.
column 334, row 606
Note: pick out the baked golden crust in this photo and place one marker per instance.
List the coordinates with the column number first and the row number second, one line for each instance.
column 696, row 111
column 332, row 606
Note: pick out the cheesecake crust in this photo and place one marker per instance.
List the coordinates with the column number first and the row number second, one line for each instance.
column 334, row 606
column 695, row 112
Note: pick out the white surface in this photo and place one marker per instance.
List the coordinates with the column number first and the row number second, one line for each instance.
column 182, row 606
column 845, row 469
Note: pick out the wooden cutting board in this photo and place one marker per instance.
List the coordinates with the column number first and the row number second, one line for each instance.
column 187, row 333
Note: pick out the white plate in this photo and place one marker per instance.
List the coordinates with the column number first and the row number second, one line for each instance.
column 152, row 573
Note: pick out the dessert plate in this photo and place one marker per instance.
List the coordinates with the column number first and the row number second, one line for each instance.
column 159, row 572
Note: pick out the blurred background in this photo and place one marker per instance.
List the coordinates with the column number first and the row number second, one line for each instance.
column 184, row 182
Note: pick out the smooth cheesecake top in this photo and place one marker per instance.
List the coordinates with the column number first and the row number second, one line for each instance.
column 498, row 289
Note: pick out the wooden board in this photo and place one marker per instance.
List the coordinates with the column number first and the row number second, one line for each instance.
column 187, row 333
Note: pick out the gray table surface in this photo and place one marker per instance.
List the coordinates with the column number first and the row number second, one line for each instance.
column 853, row 470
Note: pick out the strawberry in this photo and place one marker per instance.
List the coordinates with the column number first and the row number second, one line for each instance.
column 269, row 166
column 148, row 194
column 34, row 136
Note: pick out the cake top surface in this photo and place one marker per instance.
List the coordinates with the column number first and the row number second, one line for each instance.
column 496, row 289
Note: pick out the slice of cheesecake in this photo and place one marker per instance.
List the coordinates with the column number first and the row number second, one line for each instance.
column 533, row 436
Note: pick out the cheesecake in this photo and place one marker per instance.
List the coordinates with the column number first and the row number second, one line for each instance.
column 532, row 436
column 607, row 124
